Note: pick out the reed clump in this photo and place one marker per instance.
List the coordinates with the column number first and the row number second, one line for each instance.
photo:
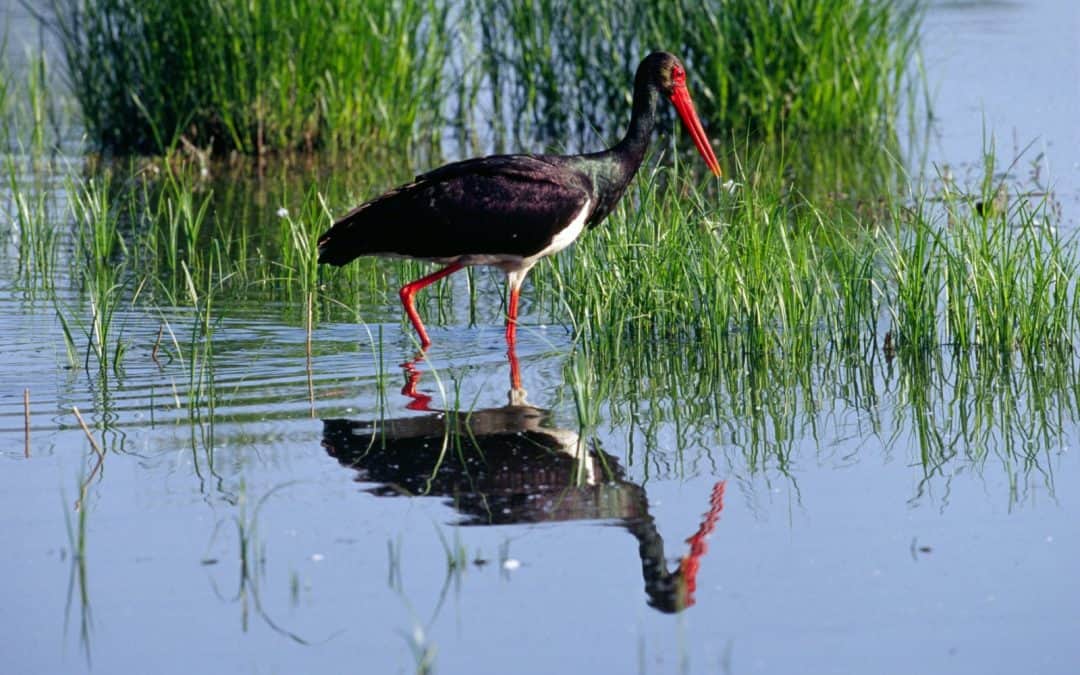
column 231, row 75
column 284, row 75
column 561, row 68
column 769, row 270
column 796, row 66
column 984, row 269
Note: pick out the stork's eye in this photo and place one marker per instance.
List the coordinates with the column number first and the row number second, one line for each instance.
column 678, row 75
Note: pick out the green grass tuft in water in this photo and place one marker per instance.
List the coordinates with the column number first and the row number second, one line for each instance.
column 564, row 68
column 284, row 75
column 277, row 75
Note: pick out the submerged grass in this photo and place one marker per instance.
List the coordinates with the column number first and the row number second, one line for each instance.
column 689, row 412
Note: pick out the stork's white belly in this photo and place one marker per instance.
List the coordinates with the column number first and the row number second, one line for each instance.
column 567, row 235
column 516, row 263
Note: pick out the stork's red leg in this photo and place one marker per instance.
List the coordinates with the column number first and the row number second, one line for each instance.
column 511, row 336
column 409, row 290
column 514, row 280
column 515, row 369
column 511, row 317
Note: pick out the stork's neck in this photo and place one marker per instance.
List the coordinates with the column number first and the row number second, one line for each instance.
column 630, row 151
column 612, row 170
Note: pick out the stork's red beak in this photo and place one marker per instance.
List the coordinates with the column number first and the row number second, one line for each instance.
column 680, row 96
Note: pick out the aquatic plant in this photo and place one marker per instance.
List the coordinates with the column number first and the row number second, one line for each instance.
column 984, row 268
column 32, row 112
column 560, row 68
column 797, row 65
column 99, row 261
column 278, row 75
column 35, row 229
column 685, row 263
column 296, row 74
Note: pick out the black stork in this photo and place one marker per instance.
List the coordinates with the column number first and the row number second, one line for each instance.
column 510, row 210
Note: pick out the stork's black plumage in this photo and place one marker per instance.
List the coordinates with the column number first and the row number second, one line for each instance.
column 508, row 205
column 510, row 210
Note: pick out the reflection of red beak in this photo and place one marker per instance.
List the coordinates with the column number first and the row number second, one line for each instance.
column 681, row 98
column 689, row 565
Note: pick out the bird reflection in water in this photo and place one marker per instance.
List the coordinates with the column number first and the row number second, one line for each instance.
column 509, row 465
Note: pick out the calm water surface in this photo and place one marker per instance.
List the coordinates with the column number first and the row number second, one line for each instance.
column 868, row 523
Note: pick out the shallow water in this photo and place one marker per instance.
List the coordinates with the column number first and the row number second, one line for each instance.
column 840, row 561
column 1009, row 72
column 252, row 517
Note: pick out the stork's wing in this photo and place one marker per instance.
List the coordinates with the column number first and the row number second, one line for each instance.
column 499, row 205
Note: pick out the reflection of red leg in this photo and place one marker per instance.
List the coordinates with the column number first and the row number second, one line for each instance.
column 511, row 317
column 409, row 290
column 412, row 379
column 689, row 565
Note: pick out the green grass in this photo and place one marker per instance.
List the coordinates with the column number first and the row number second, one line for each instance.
column 100, row 260
column 563, row 68
column 796, row 66
column 984, row 268
column 31, row 112
column 710, row 327
column 787, row 273
column 782, row 271
column 688, row 263
column 271, row 76
column 284, row 75
column 36, row 240
column 555, row 68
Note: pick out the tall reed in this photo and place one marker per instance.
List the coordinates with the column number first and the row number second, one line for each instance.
column 277, row 75
column 788, row 67
column 795, row 65
column 297, row 74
